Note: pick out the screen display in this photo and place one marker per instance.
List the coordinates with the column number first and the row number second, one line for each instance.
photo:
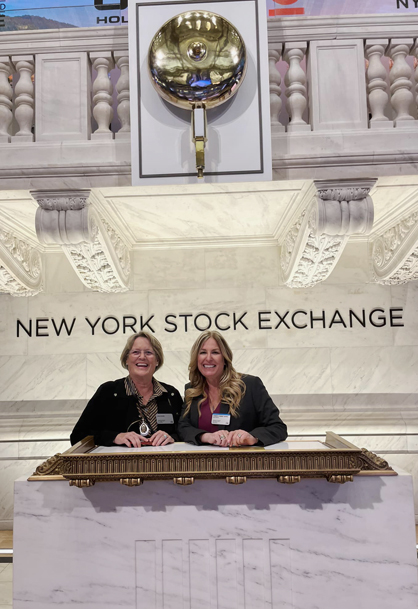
column 51, row 14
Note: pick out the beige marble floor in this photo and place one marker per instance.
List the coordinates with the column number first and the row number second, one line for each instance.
column 6, row 572
column 6, row 593
column 6, row 539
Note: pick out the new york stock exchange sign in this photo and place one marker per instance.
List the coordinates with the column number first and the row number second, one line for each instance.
column 224, row 321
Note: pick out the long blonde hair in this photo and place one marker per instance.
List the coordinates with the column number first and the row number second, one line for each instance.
column 231, row 387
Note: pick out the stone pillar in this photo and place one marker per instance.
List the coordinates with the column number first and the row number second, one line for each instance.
column 401, row 85
column 377, row 87
column 102, row 95
column 275, row 89
column 24, row 101
column 6, row 94
column 295, row 80
column 122, row 87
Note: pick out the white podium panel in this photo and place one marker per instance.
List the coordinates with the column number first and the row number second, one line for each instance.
column 341, row 107
column 239, row 138
column 213, row 545
column 65, row 113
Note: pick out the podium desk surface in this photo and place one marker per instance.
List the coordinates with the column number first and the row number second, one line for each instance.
column 183, row 447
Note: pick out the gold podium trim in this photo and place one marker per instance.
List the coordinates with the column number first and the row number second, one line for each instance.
column 337, row 462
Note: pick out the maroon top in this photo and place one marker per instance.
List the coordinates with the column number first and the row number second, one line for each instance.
column 205, row 419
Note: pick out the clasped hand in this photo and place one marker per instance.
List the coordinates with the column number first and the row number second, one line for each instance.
column 239, row 437
column 132, row 439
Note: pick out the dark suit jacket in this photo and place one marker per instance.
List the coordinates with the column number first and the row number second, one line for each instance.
column 257, row 414
column 110, row 412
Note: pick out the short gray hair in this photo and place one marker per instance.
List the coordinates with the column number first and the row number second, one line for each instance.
column 155, row 344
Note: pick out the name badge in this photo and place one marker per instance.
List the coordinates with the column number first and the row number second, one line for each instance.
column 164, row 418
column 221, row 419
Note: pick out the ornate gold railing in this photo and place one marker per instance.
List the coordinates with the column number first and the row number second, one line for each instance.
column 336, row 460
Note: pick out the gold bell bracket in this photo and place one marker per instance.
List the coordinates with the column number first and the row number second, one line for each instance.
column 199, row 137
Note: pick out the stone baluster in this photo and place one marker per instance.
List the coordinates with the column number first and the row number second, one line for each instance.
column 415, row 54
column 102, row 94
column 275, row 89
column 24, row 101
column 295, row 81
column 6, row 94
column 122, row 87
column 400, row 83
column 377, row 87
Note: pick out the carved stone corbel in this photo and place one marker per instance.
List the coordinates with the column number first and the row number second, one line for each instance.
column 20, row 265
column 95, row 250
column 395, row 253
column 315, row 242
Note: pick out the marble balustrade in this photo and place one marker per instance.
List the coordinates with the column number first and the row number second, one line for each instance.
column 342, row 99
column 323, row 69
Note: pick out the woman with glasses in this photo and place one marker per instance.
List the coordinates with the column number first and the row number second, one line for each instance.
column 136, row 410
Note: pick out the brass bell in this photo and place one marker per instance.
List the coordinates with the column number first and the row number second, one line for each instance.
column 197, row 61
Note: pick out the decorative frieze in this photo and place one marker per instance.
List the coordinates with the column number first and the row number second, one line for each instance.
column 94, row 248
column 20, row 266
column 60, row 201
column 395, row 253
column 316, row 240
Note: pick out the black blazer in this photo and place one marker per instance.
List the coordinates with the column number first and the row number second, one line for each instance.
column 110, row 412
column 257, row 414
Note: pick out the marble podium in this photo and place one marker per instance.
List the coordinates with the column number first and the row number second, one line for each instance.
column 212, row 545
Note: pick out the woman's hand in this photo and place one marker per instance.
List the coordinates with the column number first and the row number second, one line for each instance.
column 160, row 438
column 239, row 437
column 219, row 438
column 131, row 439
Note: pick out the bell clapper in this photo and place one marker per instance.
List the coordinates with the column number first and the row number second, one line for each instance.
column 199, row 136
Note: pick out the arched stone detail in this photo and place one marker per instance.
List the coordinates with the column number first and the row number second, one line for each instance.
column 94, row 248
column 315, row 242
column 395, row 253
column 20, row 266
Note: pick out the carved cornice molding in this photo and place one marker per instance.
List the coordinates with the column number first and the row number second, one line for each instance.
column 20, row 266
column 395, row 253
column 94, row 248
column 61, row 200
column 315, row 242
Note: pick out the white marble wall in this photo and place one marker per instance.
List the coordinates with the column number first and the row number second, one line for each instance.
column 359, row 382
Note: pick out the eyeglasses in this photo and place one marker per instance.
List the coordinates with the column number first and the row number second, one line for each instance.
column 145, row 352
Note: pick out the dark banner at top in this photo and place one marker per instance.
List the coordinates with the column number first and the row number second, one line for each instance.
column 51, row 14
column 325, row 8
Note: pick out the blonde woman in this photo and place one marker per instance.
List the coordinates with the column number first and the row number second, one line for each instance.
column 136, row 410
column 223, row 407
